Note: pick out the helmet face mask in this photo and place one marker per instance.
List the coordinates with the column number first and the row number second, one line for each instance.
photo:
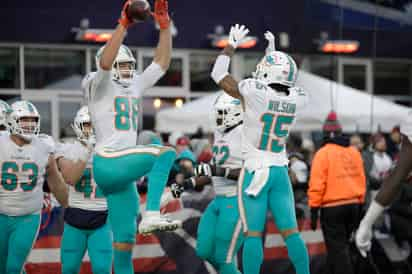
column 24, row 120
column 124, row 66
column 227, row 112
column 82, row 126
column 277, row 67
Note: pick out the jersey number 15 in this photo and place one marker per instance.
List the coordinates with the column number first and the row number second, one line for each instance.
column 279, row 125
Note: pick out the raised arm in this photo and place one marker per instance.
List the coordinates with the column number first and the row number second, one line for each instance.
column 163, row 51
column 112, row 46
column 220, row 73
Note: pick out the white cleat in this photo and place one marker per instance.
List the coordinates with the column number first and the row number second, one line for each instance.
column 157, row 223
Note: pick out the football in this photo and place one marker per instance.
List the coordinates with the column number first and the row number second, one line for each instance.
column 138, row 10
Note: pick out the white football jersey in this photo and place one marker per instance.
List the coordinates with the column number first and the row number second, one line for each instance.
column 114, row 108
column 406, row 126
column 267, row 120
column 227, row 153
column 85, row 194
column 22, row 173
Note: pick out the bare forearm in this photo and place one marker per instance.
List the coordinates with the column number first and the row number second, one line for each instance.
column 72, row 171
column 163, row 50
column 58, row 188
column 228, row 51
column 112, row 47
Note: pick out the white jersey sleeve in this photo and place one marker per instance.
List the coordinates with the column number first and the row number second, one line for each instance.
column 93, row 82
column 406, row 126
column 151, row 75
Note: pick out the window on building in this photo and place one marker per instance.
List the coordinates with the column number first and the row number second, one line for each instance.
column 173, row 76
column 201, row 65
column 54, row 68
column 9, row 68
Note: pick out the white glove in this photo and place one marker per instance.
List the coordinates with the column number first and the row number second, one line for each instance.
column 363, row 239
column 271, row 41
column 237, row 35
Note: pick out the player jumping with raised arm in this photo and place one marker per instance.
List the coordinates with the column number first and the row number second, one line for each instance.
column 219, row 234
column 390, row 188
column 114, row 92
column 85, row 224
column 270, row 102
column 25, row 160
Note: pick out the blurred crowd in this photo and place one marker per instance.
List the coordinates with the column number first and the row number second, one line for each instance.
column 379, row 154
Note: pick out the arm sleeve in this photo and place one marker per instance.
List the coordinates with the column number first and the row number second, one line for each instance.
column 151, row 75
column 318, row 177
column 93, row 82
column 253, row 92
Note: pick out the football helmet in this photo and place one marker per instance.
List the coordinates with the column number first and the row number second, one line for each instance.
column 228, row 112
column 17, row 123
column 5, row 110
column 84, row 135
column 277, row 67
column 124, row 65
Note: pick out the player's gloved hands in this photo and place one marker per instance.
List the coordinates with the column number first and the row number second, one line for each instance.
column 314, row 213
column 203, row 170
column 363, row 239
column 237, row 35
column 271, row 41
column 177, row 190
column 161, row 13
column 124, row 20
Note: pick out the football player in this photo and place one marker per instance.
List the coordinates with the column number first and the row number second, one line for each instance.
column 26, row 158
column 390, row 188
column 85, row 224
column 270, row 102
column 4, row 113
column 114, row 92
column 219, row 234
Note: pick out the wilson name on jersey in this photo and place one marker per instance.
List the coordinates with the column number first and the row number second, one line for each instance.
column 22, row 173
column 268, row 118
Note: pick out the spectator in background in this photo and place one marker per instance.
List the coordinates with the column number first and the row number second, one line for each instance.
column 357, row 142
column 381, row 164
column 182, row 144
column 394, row 143
column 337, row 187
column 183, row 168
column 298, row 173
